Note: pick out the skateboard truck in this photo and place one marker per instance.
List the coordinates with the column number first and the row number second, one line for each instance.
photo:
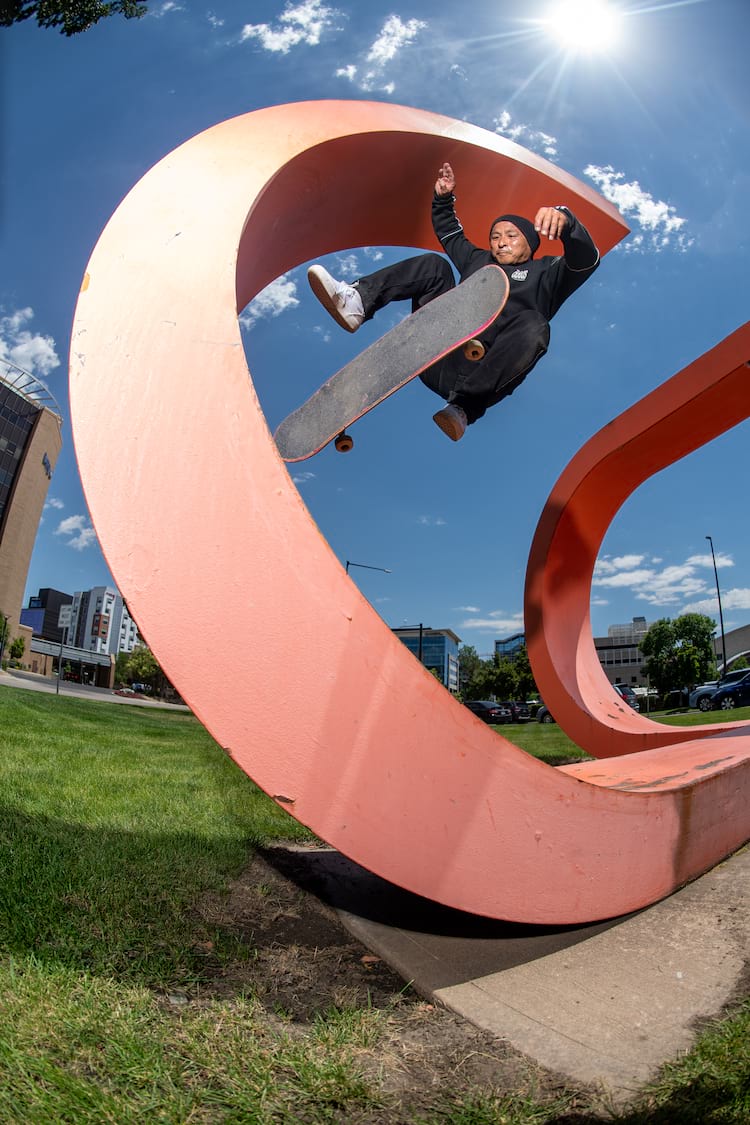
column 474, row 350
column 344, row 442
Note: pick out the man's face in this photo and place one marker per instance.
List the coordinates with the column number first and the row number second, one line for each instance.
column 508, row 245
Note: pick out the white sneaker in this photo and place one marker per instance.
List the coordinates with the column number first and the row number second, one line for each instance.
column 452, row 421
column 338, row 298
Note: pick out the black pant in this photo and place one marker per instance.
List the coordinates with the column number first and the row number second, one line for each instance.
column 514, row 343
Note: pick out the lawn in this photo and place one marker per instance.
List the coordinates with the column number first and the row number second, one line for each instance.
column 118, row 825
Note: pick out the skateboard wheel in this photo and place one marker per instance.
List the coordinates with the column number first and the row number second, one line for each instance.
column 474, row 350
column 344, row 443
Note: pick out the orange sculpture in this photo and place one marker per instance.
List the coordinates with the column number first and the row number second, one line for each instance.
column 196, row 512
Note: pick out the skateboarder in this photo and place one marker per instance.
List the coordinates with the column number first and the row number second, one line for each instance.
column 520, row 336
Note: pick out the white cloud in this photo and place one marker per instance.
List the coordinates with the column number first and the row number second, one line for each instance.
column 706, row 560
column 166, row 8
column 303, row 478
column 82, row 534
column 622, row 562
column 32, row 352
column 395, row 34
column 53, row 502
column 498, row 622
column 348, row 266
column 467, row 609
column 298, row 24
column 658, row 585
column 531, row 138
column 431, row 521
column 214, row 20
column 275, row 299
column 738, row 598
column 660, row 226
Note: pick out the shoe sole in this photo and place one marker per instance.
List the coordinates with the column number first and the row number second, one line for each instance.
column 449, row 426
column 318, row 287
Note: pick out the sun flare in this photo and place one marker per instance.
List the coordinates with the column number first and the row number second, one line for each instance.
column 585, row 26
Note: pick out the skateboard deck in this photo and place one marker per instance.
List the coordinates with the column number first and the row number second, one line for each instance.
column 424, row 338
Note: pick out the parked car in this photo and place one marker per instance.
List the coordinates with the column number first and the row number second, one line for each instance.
column 489, row 712
column 626, row 692
column 519, row 711
column 703, row 695
column 543, row 715
column 701, row 692
column 730, row 695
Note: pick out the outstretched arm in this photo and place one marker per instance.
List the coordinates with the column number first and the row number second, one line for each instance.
column 559, row 222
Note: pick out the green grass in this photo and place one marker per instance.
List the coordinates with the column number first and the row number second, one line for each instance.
column 114, row 821
column 550, row 744
column 703, row 718
column 545, row 741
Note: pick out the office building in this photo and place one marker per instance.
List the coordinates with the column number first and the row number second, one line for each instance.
column 101, row 623
column 43, row 614
column 437, row 649
column 30, row 443
column 510, row 647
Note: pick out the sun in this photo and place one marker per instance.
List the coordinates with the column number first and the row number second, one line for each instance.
column 585, row 26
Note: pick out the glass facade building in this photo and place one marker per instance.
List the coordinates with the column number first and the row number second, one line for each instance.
column 508, row 649
column 17, row 418
column 436, row 648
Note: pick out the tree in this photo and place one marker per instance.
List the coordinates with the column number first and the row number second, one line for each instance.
column 122, row 660
column 504, row 678
column 469, row 663
column 526, row 684
column 679, row 653
column 17, row 648
column 4, row 635
column 70, row 16
column 141, row 667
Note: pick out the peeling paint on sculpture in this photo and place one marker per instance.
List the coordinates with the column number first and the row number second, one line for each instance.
column 155, row 329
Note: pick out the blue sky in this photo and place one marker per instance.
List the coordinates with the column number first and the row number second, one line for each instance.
column 658, row 121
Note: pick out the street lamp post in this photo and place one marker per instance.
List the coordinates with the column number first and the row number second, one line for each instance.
column 721, row 616
column 420, row 629
column 365, row 566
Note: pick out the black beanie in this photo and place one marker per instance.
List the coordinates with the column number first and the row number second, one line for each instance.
column 525, row 226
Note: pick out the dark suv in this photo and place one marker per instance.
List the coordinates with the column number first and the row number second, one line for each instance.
column 519, row 711
column 730, row 695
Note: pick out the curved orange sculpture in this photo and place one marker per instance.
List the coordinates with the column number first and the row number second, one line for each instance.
column 701, row 402
column 195, row 511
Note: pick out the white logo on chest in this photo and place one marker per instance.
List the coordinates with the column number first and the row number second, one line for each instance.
column 519, row 275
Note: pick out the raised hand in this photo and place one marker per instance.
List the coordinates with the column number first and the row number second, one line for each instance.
column 549, row 222
column 446, row 181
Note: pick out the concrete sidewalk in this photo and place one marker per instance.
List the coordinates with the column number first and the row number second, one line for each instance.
column 606, row 1003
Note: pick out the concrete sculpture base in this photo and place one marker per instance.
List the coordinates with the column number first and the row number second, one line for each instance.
column 195, row 511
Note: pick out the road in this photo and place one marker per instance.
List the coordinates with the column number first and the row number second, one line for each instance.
column 14, row 677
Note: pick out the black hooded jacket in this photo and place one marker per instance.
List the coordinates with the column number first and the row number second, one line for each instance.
column 541, row 284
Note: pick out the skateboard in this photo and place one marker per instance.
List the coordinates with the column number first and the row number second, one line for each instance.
column 452, row 321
